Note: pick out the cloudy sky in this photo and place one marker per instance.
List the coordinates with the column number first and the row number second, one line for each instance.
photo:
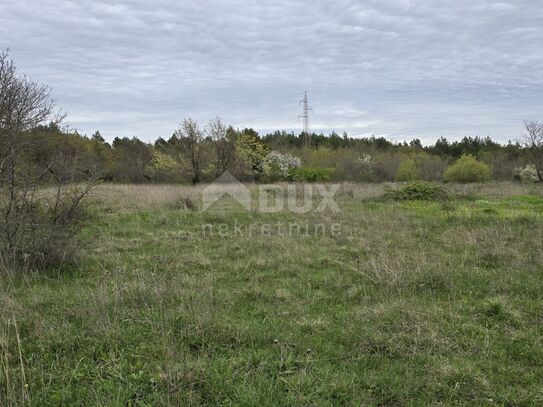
column 397, row 68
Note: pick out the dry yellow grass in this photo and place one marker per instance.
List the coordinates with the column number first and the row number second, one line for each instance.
column 131, row 196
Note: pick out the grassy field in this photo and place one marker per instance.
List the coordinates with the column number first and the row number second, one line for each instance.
column 394, row 303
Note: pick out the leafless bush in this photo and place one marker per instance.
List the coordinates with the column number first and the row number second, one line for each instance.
column 41, row 186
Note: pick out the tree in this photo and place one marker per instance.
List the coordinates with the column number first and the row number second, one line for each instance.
column 162, row 167
column 442, row 147
column 252, row 152
column 407, row 171
column 98, row 137
column 533, row 141
column 416, row 144
column 101, row 152
column 223, row 140
column 131, row 157
column 190, row 138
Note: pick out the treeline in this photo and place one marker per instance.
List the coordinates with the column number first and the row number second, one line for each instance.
column 197, row 153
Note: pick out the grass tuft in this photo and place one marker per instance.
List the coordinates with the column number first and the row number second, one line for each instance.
column 417, row 191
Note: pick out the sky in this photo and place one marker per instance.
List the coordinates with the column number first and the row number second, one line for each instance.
column 401, row 69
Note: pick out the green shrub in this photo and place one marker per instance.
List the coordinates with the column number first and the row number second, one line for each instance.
column 467, row 169
column 407, row 171
column 312, row 174
column 417, row 190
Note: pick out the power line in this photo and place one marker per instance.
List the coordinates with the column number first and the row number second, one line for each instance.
column 305, row 104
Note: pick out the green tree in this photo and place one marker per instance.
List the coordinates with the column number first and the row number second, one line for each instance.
column 163, row 167
column 130, row 156
column 467, row 169
column 407, row 171
column 252, row 152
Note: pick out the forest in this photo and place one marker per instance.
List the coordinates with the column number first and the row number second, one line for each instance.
column 195, row 153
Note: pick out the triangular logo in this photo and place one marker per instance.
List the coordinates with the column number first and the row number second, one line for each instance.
column 226, row 184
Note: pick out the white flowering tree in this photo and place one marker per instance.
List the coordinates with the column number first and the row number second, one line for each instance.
column 279, row 166
column 527, row 174
column 365, row 168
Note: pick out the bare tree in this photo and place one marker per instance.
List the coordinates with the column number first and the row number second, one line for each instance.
column 533, row 141
column 190, row 136
column 223, row 141
column 34, row 221
column 24, row 104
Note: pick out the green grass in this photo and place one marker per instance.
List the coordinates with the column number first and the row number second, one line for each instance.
column 413, row 303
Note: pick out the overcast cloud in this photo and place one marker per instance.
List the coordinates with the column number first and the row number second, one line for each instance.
column 397, row 68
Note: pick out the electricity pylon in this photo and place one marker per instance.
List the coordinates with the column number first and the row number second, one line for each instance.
column 306, row 109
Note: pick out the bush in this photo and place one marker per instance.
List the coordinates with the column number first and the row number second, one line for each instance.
column 309, row 174
column 526, row 174
column 467, row 169
column 42, row 183
column 41, row 233
column 407, row 171
column 417, row 191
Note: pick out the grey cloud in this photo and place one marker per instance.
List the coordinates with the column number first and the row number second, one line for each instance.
column 400, row 68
